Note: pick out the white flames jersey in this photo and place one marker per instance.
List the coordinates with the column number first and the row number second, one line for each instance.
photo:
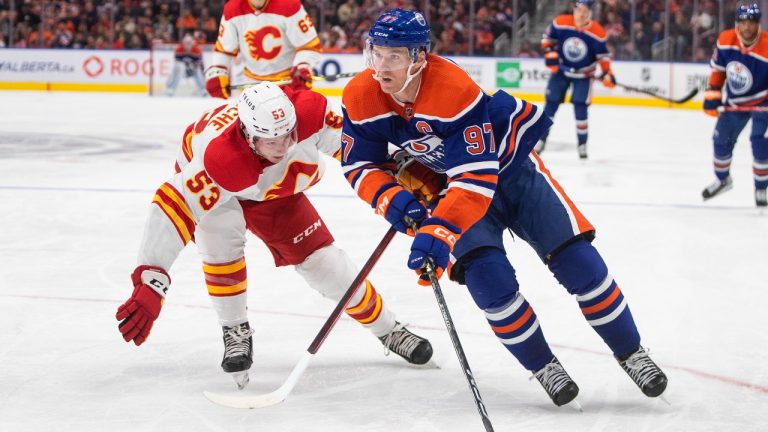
column 216, row 168
column 270, row 40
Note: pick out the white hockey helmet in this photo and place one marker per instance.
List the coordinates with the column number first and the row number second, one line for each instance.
column 265, row 112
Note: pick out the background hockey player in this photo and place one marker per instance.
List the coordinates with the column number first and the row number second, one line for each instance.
column 431, row 109
column 245, row 166
column 275, row 38
column 574, row 46
column 187, row 63
column 740, row 64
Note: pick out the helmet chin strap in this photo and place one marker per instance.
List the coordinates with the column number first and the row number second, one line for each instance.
column 410, row 75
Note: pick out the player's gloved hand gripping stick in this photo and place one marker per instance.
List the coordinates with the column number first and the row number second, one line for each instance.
column 429, row 271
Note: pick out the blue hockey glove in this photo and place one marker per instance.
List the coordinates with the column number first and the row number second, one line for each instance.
column 434, row 240
column 400, row 208
column 713, row 99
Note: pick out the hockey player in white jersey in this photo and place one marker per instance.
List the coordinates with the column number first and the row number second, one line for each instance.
column 276, row 40
column 244, row 166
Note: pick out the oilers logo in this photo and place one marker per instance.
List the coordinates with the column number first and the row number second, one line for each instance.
column 428, row 150
column 739, row 78
column 574, row 49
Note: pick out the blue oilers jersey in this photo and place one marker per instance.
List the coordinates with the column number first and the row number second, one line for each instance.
column 452, row 127
column 580, row 48
column 744, row 70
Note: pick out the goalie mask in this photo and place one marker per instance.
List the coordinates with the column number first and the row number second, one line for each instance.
column 267, row 119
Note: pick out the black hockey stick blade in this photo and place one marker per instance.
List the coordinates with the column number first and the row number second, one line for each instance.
column 334, row 77
column 681, row 100
column 328, row 78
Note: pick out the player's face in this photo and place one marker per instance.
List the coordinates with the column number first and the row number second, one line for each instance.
column 581, row 14
column 391, row 66
column 747, row 29
column 275, row 149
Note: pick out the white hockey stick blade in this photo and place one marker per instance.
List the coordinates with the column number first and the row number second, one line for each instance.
column 267, row 399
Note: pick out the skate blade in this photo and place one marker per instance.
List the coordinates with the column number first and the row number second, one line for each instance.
column 241, row 379
column 575, row 405
column 431, row 364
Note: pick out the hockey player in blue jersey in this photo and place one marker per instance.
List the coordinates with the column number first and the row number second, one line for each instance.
column 740, row 64
column 471, row 155
column 574, row 46
column 187, row 63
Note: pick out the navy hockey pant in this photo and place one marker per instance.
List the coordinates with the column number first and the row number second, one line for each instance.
column 729, row 126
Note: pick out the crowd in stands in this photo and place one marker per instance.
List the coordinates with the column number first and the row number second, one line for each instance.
column 692, row 33
column 118, row 24
column 342, row 24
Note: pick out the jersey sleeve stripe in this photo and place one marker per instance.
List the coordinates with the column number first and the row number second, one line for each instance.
column 461, row 114
column 186, row 146
column 473, row 166
column 370, row 182
column 220, row 49
column 480, row 190
column 372, row 119
column 313, row 45
column 176, row 210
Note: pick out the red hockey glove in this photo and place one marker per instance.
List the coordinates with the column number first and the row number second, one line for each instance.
column 217, row 82
column 713, row 99
column 139, row 312
column 609, row 80
column 301, row 77
column 417, row 179
column 435, row 241
column 552, row 60
column 399, row 207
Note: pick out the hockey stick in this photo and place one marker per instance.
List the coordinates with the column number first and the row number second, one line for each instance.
column 279, row 395
column 681, row 100
column 329, row 78
column 430, row 270
column 746, row 109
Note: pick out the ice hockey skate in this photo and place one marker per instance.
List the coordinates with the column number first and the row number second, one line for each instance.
column 644, row 372
column 557, row 383
column 238, row 353
column 718, row 187
column 414, row 349
column 539, row 147
column 582, row 151
column 761, row 200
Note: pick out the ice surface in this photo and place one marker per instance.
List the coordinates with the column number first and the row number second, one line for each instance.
column 77, row 173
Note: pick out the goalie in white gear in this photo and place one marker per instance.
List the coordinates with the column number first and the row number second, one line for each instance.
column 244, row 166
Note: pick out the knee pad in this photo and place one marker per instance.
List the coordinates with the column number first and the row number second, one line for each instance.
column 578, row 267
column 490, row 277
column 328, row 271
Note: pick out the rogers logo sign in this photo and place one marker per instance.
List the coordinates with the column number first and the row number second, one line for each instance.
column 93, row 66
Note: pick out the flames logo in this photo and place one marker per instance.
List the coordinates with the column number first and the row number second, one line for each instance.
column 256, row 43
column 299, row 176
